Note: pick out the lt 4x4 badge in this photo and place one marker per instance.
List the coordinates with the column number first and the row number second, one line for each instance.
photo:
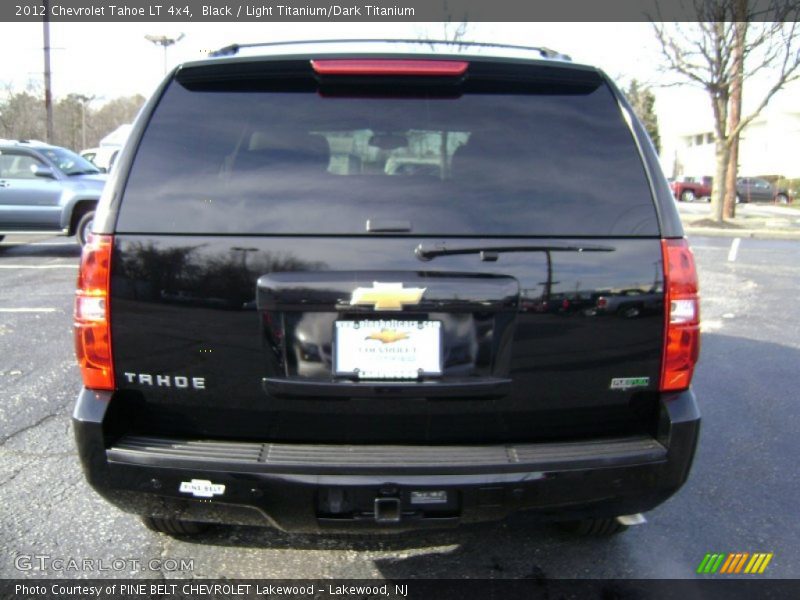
column 626, row 383
column 202, row 488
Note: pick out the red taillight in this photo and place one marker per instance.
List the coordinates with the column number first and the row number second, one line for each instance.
column 682, row 328
column 348, row 66
column 92, row 319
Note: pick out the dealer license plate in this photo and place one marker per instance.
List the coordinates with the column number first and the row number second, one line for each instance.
column 388, row 349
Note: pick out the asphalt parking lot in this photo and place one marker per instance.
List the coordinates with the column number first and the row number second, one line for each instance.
column 742, row 495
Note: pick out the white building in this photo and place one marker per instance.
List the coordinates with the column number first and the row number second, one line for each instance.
column 769, row 146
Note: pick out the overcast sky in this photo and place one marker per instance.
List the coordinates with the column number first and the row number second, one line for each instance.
column 107, row 60
column 112, row 59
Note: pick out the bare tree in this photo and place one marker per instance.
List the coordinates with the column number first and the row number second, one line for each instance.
column 111, row 115
column 68, row 121
column 452, row 31
column 76, row 124
column 730, row 45
column 21, row 114
column 455, row 32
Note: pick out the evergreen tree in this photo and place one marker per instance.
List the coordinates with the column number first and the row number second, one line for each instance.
column 643, row 102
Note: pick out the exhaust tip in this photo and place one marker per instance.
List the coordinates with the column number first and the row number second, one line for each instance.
column 630, row 520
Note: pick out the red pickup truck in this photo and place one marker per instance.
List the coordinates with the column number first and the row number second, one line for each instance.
column 748, row 189
column 689, row 191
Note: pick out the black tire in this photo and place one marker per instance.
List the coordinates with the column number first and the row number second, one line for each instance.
column 84, row 228
column 688, row 196
column 739, row 199
column 174, row 526
column 594, row 527
column 2, row 237
column 782, row 199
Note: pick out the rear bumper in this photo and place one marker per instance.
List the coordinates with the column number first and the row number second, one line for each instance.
column 331, row 487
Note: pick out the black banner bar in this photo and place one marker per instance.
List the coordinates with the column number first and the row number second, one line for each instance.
column 409, row 589
column 197, row 11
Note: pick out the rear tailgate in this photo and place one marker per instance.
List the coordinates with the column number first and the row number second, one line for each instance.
column 544, row 360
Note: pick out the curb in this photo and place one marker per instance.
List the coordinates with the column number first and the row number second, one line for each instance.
column 761, row 234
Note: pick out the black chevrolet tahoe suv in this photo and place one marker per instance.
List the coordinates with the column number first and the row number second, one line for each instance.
column 341, row 286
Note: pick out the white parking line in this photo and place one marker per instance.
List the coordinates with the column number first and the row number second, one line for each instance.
column 710, row 325
column 27, row 310
column 734, row 249
column 39, row 266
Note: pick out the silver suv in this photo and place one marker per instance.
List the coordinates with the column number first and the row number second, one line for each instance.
column 47, row 189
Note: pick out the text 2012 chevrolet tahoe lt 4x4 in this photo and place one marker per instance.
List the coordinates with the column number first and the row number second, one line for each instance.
column 355, row 285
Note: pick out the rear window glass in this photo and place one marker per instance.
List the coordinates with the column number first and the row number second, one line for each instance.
column 473, row 163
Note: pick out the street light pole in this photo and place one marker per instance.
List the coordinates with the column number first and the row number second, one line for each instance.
column 164, row 41
column 84, row 100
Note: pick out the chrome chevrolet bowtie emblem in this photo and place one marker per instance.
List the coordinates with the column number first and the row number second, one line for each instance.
column 386, row 296
column 387, row 336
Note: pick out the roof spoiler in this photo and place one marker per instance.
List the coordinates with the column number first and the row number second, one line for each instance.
column 548, row 53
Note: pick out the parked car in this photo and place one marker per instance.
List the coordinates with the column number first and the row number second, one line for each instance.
column 754, row 189
column 378, row 361
column 748, row 189
column 102, row 157
column 47, row 189
column 630, row 303
column 689, row 191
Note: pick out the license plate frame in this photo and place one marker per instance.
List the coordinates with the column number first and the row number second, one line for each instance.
column 387, row 349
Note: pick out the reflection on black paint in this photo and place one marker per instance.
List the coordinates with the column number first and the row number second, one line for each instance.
column 196, row 275
column 588, row 301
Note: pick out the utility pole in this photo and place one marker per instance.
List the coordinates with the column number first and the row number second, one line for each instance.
column 165, row 42
column 48, row 94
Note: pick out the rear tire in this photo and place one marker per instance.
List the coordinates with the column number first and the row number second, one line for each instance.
column 782, row 199
column 687, row 196
column 594, row 527
column 84, row 228
column 174, row 526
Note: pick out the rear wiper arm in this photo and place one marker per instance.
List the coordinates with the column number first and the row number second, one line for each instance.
column 490, row 253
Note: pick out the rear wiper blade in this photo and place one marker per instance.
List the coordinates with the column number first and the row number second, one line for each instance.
column 490, row 253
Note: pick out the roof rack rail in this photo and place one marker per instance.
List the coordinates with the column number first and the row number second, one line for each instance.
column 233, row 49
column 19, row 142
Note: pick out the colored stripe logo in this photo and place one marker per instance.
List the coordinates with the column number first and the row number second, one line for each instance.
column 735, row 563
